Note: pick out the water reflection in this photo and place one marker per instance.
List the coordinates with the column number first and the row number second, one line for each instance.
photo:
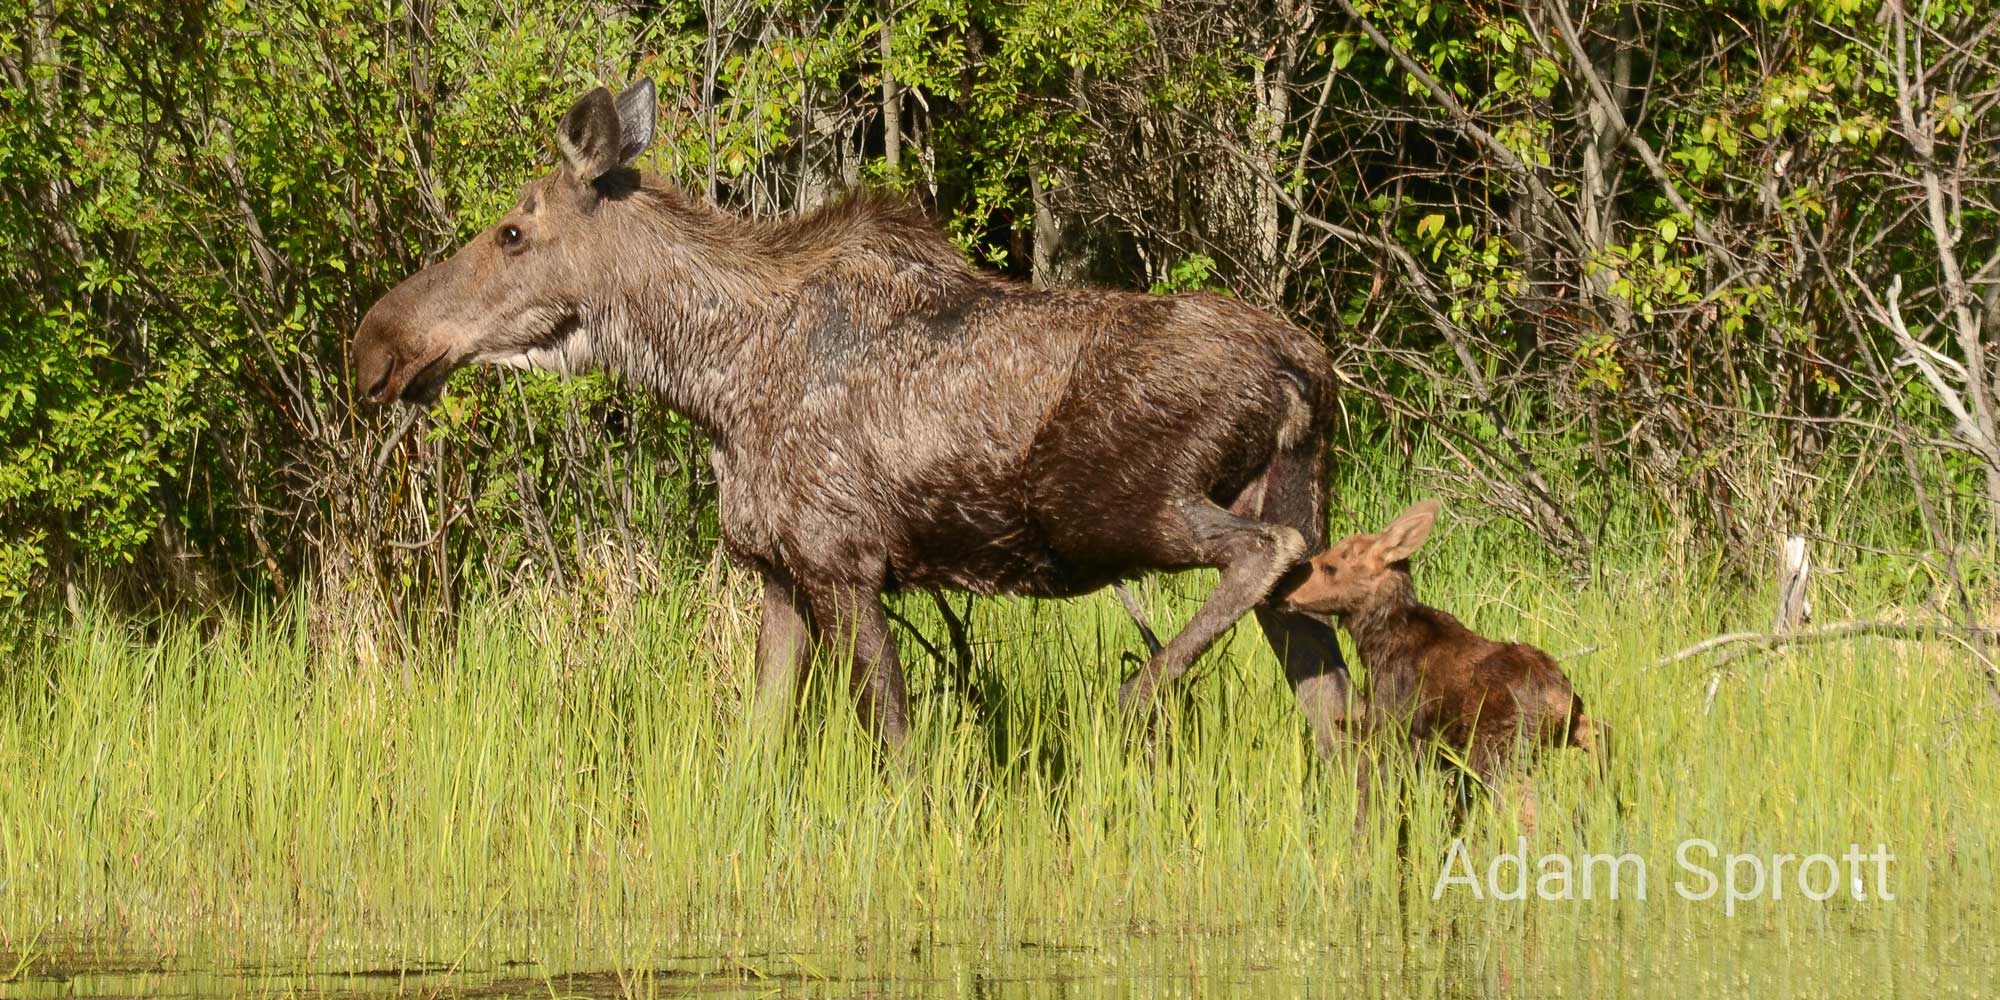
column 1452, row 965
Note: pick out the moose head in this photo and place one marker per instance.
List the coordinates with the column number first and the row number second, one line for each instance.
column 1364, row 572
column 530, row 290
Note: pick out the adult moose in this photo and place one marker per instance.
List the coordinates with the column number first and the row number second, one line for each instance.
column 884, row 416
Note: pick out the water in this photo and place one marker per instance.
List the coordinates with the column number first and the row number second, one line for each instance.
column 1422, row 963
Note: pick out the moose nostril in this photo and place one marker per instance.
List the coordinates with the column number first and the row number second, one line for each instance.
column 380, row 386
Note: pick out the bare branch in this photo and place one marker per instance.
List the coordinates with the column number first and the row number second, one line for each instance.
column 1826, row 633
column 1608, row 106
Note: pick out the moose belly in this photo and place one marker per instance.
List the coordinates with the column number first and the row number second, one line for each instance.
column 985, row 550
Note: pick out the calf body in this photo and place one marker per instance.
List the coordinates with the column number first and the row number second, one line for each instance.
column 1448, row 685
column 884, row 416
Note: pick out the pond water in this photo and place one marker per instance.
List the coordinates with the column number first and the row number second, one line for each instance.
column 1753, row 965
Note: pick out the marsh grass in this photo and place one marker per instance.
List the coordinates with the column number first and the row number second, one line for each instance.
column 579, row 789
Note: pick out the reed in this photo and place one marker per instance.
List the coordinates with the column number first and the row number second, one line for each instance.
column 578, row 787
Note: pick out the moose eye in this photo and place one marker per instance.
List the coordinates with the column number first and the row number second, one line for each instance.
column 510, row 236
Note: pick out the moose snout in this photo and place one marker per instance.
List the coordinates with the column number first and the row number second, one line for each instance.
column 407, row 342
column 375, row 362
column 1284, row 592
column 374, row 372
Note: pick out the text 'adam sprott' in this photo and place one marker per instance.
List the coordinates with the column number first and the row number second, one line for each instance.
column 1702, row 872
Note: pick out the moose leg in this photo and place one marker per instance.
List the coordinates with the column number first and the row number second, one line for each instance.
column 784, row 645
column 1592, row 736
column 852, row 621
column 1139, row 618
column 1251, row 554
column 1493, row 757
column 1293, row 494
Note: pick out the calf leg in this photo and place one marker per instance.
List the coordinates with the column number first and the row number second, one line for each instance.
column 1251, row 554
column 784, row 646
column 1494, row 757
column 852, row 621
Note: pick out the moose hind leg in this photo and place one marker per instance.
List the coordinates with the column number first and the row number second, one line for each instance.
column 1251, row 554
column 1292, row 492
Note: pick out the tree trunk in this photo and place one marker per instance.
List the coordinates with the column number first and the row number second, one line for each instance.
column 892, row 96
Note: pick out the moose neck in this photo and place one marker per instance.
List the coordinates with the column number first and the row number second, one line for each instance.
column 716, row 313
column 696, row 357
column 693, row 321
column 1388, row 631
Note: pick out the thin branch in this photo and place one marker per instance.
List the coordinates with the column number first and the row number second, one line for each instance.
column 1890, row 315
column 1463, row 120
column 917, row 634
column 1138, row 613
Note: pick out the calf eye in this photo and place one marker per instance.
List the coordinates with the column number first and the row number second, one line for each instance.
column 510, row 236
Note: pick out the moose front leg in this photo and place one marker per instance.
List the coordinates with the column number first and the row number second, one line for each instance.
column 1292, row 492
column 1251, row 554
column 852, row 622
column 784, row 646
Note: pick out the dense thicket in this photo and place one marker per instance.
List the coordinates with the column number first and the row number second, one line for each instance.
column 1721, row 264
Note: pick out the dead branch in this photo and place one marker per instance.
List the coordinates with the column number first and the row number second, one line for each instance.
column 1762, row 641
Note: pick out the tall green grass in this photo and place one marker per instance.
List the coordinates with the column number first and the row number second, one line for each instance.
column 575, row 784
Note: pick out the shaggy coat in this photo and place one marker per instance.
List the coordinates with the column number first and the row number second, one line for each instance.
column 885, row 416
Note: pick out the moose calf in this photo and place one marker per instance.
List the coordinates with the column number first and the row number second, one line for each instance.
column 1449, row 685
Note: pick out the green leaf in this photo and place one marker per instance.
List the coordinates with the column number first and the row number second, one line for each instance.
column 1343, row 53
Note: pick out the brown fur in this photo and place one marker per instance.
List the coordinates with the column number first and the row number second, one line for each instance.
column 884, row 416
column 1449, row 685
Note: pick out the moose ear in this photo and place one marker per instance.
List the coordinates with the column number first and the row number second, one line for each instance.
column 591, row 136
column 636, row 110
column 1401, row 539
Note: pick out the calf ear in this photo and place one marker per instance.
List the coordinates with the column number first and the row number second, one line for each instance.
column 1401, row 539
column 637, row 108
column 591, row 136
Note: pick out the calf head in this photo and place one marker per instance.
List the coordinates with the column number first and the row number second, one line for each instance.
column 1362, row 572
column 523, row 291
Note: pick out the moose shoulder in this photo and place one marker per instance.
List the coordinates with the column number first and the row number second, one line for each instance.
column 886, row 416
